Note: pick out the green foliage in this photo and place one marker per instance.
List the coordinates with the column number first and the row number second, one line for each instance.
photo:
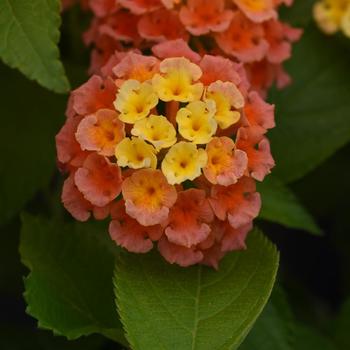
column 299, row 14
column 280, row 205
column 28, row 40
column 274, row 329
column 313, row 113
column 169, row 307
column 30, row 118
column 308, row 338
column 69, row 289
column 342, row 326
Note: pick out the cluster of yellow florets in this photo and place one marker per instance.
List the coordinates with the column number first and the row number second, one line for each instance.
column 194, row 113
column 333, row 15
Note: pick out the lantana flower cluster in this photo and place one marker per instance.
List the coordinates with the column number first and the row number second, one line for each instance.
column 247, row 31
column 170, row 147
column 333, row 16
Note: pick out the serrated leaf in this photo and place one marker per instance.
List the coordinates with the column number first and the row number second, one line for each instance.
column 274, row 329
column 30, row 118
column 167, row 307
column 280, row 205
column 69, row 289
column 313, row 113
column 28, row 40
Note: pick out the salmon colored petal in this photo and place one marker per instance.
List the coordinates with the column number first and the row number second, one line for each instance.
column 140, row 7
column 102, row 8
column 179, row 254
column 189, row 218
column 148, row 196
column 212, row 256
column 100, row 132
column 98, row 180
column 175, row 48
column 113, row 60
column 280, row 37
column 162, row 25
column 258, row 112
column 234, row 239
column 68, row 148
column 129, row 234
column 74, row 201
column 136, row 66
column 243, row 39
column 218, row 68
column 239, row 203
column 95, row 94
column 204, row 16
column 257, row 147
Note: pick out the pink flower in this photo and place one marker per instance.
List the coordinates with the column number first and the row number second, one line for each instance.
column 238, row 203
column 203, row 16
column 129, row 234
column 188, row 220
column 98, row 180
column 257, row 147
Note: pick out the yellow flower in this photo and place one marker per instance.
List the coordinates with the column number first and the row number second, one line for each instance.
column 329, row 15
column 157, row 130
column 196, row 121
column 135, row 153
column 226, row 96
column 183, row 162
column 177, row 81
column 345, row 22
column 135, row 100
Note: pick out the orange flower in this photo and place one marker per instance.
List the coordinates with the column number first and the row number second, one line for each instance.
column 253, row 142
column 225, row 165
column 136, row 66
column 257, row 10
column 98, row 180
column 238, row 203
column 178, row 254
column 161, row 25
column 100, row 132
column 68, row 148
column 140, row 7
column 129, row 234
column 203, row 16
column 243, row 39
column 95, row 94
column 188, row 220
column 148, row 196
column 258, row 112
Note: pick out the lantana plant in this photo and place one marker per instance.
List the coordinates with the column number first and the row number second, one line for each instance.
column 170, row 146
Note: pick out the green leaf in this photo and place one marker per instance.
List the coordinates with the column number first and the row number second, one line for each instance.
column 313, row 113
column 30, row 118
column 29, row 33
column 280, row 205
column 168, row 307
column 69, row 289
column 274, row 329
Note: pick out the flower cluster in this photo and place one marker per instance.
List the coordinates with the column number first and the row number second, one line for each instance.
column 333, row 15
column 247, row 31
column 170, row 147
